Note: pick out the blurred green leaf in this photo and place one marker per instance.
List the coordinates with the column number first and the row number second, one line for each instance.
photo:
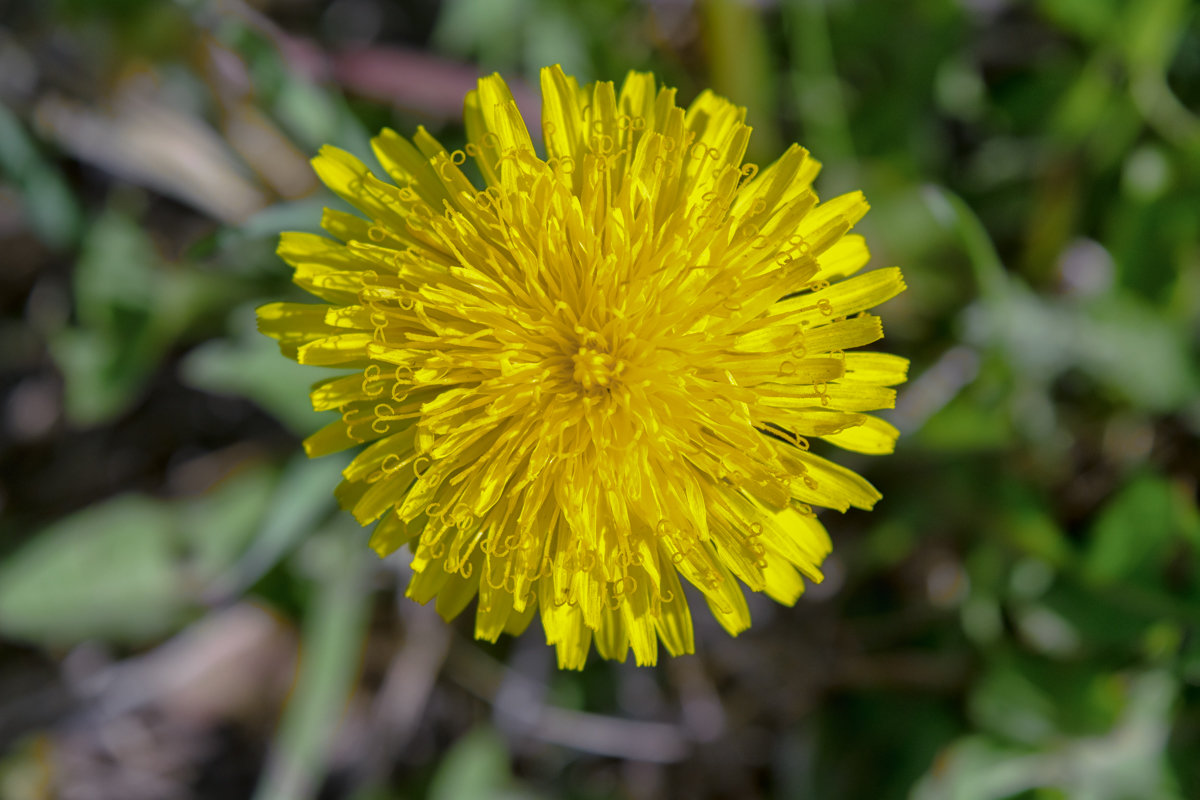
column 966, row 425
column 1006, row 703
column 1102, row 619
column 988, row 269
column 131, row 306
column 1127, row 762
column 1122, row 343
column 1133, row 532
column 1153, row 236
column 93, row 395
column 308, row 112
column 1092, row 19
column 218, row 526
column 300, row 501
column 1033, row 701
column 52, row 208
column 17, row 150
column 1085, row 103
column 1151, row 32
column 815, row 82
column 131, row 569
column 477, row 766
column 1135, row 350
column 316, row 116
column 488, row 29
column 297, row 215
column 249, row 365
column 333, row 637
column 851, row 765
column 890, row 542
column 553, row 37
column 1032, row 528
column 107, row 572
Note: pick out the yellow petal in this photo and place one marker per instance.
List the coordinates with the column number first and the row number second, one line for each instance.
column 832, row 485
column 350, row 180
column 348, row 350
column 390, row 534
column 843, row 258
column 798, row 537
column 458, row 590
column 674, row 620
column 642, row 637
column 881, row 369
column 611, row 637
column 426, row 583
column 345, row 226
column 843, row 298
column 782, row 583
column 636, row 103
column 408, row 167
column 562, row 121
column 873, row 436
column 501, row 115
column 728, row 603
column 333, row 438
column 334, row 393
column 293, row 324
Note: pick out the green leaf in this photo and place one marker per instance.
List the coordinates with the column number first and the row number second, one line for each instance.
column 333, row 640
column 218, row 526
column 1128, row 761
column 1133, row 532
column 1107, row 618
column 131, row 306
column 107, row 358
column 249, row 365
column 966, row 425
column 49, row 203
column 1122, row 343
column 106, row 572
column 477, row 767
column 1129, row 346
column 489, row 29
column 1152, row 32
column 1091, row 19
column 301, row 500
column 1006, row 702
column 94, row 393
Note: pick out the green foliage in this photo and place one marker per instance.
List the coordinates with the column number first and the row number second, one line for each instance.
column 1132, row 536
column 247, row 364
column 131, row 569
column 332, row 635
column 105, row 572
column 1020, row 617
column 1126, row 763
column 53, row 211
column 131, row 307
column 476, row 766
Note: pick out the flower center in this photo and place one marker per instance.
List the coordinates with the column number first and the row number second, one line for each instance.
column 595, row 369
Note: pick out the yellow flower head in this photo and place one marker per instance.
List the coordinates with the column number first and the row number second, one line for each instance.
column 598, row 373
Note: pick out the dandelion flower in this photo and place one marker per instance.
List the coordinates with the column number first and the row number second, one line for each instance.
column 598, row 374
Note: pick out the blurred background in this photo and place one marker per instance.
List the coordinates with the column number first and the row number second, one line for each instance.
column 185, row 614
